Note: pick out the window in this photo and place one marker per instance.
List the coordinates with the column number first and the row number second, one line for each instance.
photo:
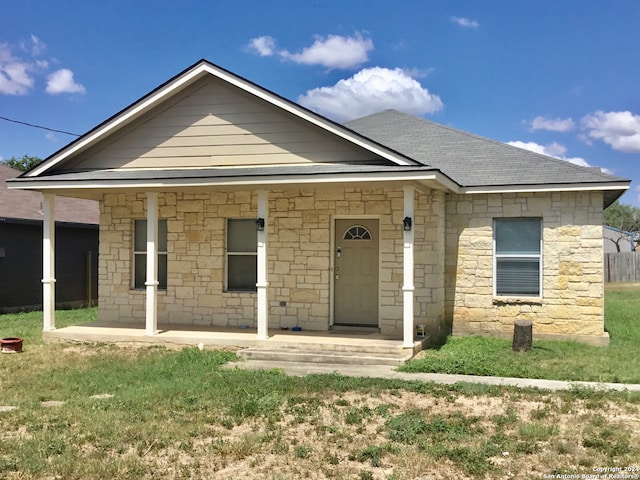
column 518, row 256
column 357, row 233
column 242, row 255
column 140, row 254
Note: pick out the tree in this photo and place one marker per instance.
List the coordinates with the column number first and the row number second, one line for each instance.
column 623, row 217
column 23, row 164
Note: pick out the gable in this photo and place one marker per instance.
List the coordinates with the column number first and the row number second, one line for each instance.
column 213, row 124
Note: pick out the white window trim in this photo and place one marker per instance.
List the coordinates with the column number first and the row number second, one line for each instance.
column 143, row 253
column 538, row 256
column 231, row 254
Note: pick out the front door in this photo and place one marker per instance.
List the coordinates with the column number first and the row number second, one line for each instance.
column 356, row 272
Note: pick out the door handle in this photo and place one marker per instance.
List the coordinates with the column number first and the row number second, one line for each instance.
column 337, row 276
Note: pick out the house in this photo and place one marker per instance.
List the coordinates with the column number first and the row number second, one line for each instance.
column 616, row 240
column 21, row 249
column 223, row 204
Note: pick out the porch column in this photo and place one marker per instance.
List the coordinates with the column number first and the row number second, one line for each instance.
column 48, row 263
column 408, row 268
column 151, row 322
column 263, row 306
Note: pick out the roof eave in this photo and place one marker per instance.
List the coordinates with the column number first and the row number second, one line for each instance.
column 51, row 183
column 612, row 190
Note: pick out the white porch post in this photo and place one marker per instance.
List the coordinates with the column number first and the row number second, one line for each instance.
column 263, row 306
column 408, row 269
column 48, row 263
column 151, row 323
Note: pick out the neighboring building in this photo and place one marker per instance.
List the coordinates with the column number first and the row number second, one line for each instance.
column 616, row 240
column 223, row 204
column 21, row 249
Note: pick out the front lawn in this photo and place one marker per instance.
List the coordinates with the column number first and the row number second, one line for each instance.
column 619, row 362
column 71, row 411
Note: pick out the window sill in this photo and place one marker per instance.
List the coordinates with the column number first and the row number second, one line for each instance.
column 517, row 300
column 240, row 291
column 143, row 290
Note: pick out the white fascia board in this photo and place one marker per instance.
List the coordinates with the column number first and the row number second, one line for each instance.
column 567, row 187
column 275, row 180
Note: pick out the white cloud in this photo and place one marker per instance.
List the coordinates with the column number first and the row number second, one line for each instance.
column 19, row 73
column 465, row 22
column 37, row 46
column 369, row 91
column 620, row 130
column 555, row 150
column 552, row 124
column 263, row 46
column 15, row 77
column 334, row 51
column 61, row 81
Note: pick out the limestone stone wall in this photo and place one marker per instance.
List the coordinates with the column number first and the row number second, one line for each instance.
column 299, row 256
column 571, row 305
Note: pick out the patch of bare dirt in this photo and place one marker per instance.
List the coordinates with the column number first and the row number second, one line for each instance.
column 327, row 440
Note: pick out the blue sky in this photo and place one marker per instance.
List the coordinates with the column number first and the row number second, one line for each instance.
column 558, row 77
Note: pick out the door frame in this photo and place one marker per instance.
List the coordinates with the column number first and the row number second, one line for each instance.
column 332, row 257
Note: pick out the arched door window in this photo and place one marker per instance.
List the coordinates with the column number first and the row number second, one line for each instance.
column 357, row 232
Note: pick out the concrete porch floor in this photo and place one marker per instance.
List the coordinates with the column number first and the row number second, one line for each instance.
column 178, row 336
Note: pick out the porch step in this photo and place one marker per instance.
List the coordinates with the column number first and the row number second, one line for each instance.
column 323, row 356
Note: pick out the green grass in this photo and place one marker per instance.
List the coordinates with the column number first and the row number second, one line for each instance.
column 619, row 362
column 178, row 414
column 28, row 325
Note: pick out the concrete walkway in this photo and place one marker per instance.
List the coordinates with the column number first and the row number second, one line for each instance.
column 384, row 371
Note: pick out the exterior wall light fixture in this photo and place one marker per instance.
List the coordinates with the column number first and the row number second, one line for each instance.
column 260, row 224
column 406, row 224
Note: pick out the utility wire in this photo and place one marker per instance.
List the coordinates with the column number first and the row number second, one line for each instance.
column 39, row 126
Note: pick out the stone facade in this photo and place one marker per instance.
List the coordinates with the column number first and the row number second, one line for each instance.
column 299, row 256
column 453, row 252
column 571, row 305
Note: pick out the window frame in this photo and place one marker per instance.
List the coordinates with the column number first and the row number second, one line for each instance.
column 497, row 255
column 137, row 254
column 228, row 254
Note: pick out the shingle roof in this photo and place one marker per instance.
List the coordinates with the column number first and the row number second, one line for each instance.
column 27, row 205
column 468, row 159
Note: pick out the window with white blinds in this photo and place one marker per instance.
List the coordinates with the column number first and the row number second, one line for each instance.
column 517, row 256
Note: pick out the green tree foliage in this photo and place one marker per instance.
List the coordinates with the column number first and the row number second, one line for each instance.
column 23, row 164
column 623, row 217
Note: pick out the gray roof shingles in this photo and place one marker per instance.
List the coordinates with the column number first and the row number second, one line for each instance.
column 468, row 159
column 27, row 205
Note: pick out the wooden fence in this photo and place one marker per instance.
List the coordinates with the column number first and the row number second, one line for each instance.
column 621, row 267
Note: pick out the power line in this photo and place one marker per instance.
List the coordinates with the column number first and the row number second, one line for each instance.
column 39, row 126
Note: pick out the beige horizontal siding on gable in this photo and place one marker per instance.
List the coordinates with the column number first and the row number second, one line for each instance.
column 215, row 124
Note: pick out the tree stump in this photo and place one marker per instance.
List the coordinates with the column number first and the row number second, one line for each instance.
column 522, row 335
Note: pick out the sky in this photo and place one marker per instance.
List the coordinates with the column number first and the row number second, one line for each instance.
column 557, row 77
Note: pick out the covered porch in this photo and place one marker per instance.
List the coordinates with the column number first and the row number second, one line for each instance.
column 138, row 314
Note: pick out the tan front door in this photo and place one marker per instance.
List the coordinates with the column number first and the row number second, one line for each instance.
column 356, row 272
